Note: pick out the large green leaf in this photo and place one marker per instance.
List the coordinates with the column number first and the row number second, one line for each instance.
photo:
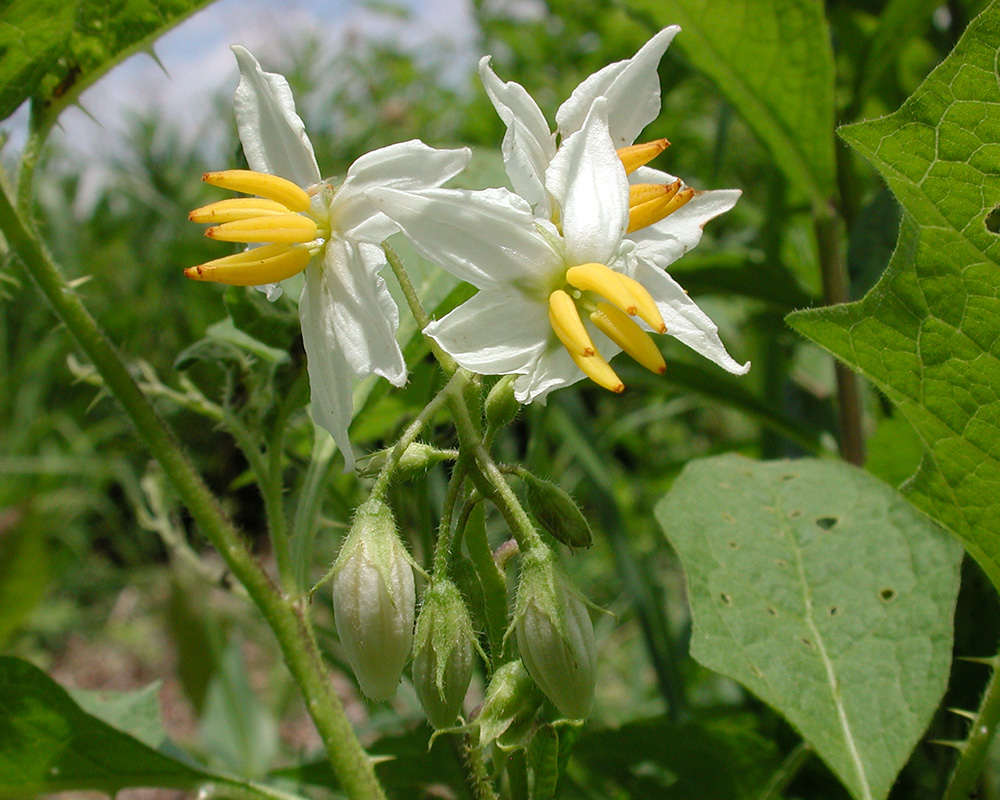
column 773, row 61
column 49, row 743
column 825, row 593
column 54, row 49
column 928, row 334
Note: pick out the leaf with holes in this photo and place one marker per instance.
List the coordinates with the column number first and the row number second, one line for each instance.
column 825, row 593
column 928, row 334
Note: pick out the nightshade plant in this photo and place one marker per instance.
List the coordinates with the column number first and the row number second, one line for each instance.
column 819, row 589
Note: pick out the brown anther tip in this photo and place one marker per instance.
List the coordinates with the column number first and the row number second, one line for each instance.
column 589, row 352
column 663, row 329
column 206, row 176
column 618, row 388
column 210, row 232
column 662, row 370
column 632, row 311
column 191, row 216
column 194, row 273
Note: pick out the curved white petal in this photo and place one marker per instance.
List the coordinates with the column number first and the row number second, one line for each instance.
column 632, row 88
column 406, row 166
column 273, row 135
column 553, row 369
column 363, row 315
column 496, row 332
column 587, row 179
column 528, row 146
column 685, row 321
column 670, row 238
column 487, row 238
column 330, row 378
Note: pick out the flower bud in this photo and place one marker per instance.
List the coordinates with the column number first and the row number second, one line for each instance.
column 374, row 599
column 555, row 636
column 417, row 458
column 442, row 653
column 556, row 511
column 501, row 406
column 512, row 699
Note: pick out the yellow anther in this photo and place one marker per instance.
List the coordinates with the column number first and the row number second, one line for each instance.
column 237, row 208
column 281, row 190
column 268, row 264
column 639, row 193
column 647, row 310
column 604, row 281
column 599, row 371
column 277, row 229
column 622, row 330
column 652, row 211
column 637, row 155
column 567, row 325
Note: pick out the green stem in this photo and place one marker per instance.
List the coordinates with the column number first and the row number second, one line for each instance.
column 487, row 475
column 348, row 758
column 475, row 770
column 416, row 308
column 975, row 749
column 30, row 157
column 442, row 548
column 836, row 290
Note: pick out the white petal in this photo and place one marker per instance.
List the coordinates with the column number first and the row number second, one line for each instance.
column 363, row 315
column 406, row 166
column 496, row 332
column 273, row 135
column 553, row 370
column 632, row 88
column 486, row 238
column 587, row 179
column 528, row 146
column 330, row 379
column 685, row 321
column 670, row 238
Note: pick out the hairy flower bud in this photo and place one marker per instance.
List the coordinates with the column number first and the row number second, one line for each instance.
column 442, row 653
column 512, row 699
column 555, row 636
column 374, row 600
column 501, row 406
column 556, row 511
column 417, row 458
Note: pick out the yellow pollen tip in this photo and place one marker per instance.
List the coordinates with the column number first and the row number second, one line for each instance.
column 276, row 229
column 281, row 190
column 599, row 371
column 567, row 325
column 237, row 208
column 622, row 330
column 268, row 264
column 604, row 281
column 637, row 155
column 647, row 310
column 658, row 206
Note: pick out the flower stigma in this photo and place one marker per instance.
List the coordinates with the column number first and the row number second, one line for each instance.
column 281, row 217
column 610, row 300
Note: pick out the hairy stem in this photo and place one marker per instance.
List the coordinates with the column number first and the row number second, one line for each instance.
column 974, row 749
column 348, row 758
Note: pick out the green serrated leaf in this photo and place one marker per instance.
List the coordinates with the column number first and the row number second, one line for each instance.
column 825, row 593
column 33, row 35
column 928, row 334
column 51, row 744
column 713, row 758
column 773, row 61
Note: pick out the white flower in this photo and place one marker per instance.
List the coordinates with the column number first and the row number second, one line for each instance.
column 348, row 318
column 559, row 290
column 631, row 89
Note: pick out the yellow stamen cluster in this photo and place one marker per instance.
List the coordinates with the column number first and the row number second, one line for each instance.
column 621, row 298
column 648, row 203
column 274, row 219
